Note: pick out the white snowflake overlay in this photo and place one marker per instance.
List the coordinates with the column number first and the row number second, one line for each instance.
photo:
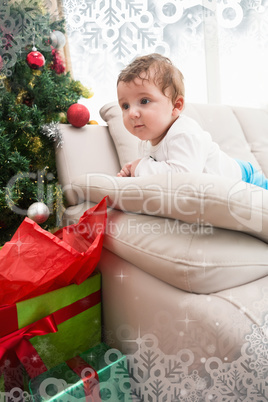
column 158, row 377
column 105, row 35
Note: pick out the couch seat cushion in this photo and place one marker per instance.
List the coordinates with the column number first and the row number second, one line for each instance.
column 198, row 259
column 194, row 258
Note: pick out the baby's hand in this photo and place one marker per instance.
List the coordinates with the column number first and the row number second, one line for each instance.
column 128, row 170
column 125, row 171
column 133, row 167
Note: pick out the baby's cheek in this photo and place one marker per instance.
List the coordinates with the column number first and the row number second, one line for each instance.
column 125, row 121
column 128, row 126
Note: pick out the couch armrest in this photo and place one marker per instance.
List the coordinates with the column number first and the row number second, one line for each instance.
column 86, row 149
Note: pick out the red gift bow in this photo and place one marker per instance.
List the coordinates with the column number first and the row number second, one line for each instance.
column 16, row 346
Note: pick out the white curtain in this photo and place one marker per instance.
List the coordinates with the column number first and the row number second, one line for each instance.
column 54, row 7
column 221, row 46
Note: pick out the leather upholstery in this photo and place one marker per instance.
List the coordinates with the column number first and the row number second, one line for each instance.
column 195, row 267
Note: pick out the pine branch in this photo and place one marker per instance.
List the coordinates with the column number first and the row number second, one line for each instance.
column 29, row 99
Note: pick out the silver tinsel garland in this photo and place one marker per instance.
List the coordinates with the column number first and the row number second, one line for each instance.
column 52, row 131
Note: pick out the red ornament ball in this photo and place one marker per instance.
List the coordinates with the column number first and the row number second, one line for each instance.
column 35, row 59
column 78, row 115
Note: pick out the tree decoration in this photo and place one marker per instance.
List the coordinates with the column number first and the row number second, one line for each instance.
column 38, row 212
column 57, row 39
column 35, row 144
column 78, row 115
column 57, row 63
column 52, row 131
column 85, row 92
column 63, row 118
column 25, row 98
column 32, row 103
column 35, row 59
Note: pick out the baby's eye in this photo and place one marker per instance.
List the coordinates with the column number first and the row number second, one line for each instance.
column 125, row 106
column 144, row 101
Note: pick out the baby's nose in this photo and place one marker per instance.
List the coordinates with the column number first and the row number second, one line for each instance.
column 134, row 112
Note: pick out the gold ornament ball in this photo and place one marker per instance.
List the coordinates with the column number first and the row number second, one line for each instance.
column 63, row 118
column 38, row 212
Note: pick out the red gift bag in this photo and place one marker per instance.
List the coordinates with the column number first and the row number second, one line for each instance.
column 35, row 261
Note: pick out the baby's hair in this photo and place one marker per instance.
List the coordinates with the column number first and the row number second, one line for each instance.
column 157, row 68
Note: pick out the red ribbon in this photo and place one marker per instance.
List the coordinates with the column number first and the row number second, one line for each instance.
column 89, row 377
column 8, row 315
column 15, row 347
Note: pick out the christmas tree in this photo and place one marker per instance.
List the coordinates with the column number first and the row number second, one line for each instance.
column 35, row 94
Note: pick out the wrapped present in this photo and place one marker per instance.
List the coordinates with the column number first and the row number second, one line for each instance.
column 48, row 329
column 97, row 375
column 36, row 261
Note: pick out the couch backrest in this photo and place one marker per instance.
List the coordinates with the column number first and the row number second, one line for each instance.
column 254, row 123
column 241, row 132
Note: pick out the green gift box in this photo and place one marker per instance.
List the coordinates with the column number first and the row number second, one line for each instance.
column 41, row 332
column 100, row 374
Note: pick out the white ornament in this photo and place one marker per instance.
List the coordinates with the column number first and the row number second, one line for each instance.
column 38, row 212
column 58, row 39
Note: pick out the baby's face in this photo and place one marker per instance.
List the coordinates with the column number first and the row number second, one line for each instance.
column 147, row 112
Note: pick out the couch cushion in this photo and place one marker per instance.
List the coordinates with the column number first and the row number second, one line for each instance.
column 225, row 129
column 199, row 259
column 254, row 123
column 194, row 198
column 126, row 144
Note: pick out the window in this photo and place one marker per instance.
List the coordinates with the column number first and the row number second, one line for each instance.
column 221, row 46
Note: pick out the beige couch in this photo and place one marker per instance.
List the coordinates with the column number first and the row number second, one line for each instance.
column 185, row 256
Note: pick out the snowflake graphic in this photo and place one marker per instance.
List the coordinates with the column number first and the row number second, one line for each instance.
column 17, row 31
column 262, row 303
column 106, row 35
column 149, row 375
column 156, row 376
column 120, row 28
column 258, row 349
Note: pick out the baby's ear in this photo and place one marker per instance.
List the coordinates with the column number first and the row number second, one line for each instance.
column 178, row 106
